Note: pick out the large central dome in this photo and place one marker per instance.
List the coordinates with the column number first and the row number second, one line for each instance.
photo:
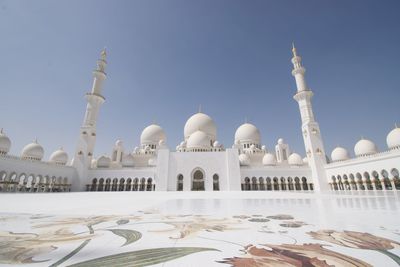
column 200, row 122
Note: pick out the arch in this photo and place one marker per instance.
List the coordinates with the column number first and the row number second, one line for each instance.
column 179, row 182
column 290, row 183
column 254, row 184
column 346, row 182
column 247, row 184
column 304, row 183
column 47, row 183
column 108, row 184
column 100, row 187
column 353, row 183
column 114, row 185
column 269, row 184
column 149, row 186
column 136, row 184
column 261, row 183
column 368, row 181
column 23, row 181
column 396, row 178
column 128, row 186
column 334, row 183
column 376, row 180
column 142, row 186
column 3, row 177
column 386, row 180
column 93, row 187
column 297, row 185
column 215, row 182
column 340, row 183
column 283, row 183
column 198, row 177
column 395, row 173
column 276, row 183
column 360, row 181
column 121, row 186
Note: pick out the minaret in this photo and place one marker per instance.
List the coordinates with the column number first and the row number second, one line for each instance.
column 87, row 137
column 310, row 128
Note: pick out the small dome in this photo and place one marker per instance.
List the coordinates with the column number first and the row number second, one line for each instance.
column 216, row 144
column 198, row 139
column 393, row 138
column 305, row 160
column 118, row 143
column 136, row 150
column 152, row 135
column 59, row 157
column 128, row 161
column 295, row 159
column 161, row 142
column 264, row 148
column 248, row 133
column 339, row 154
column 33, row 151
column 269, row 159
column 200, row 122
column 244, row 160
column 103, row 162
column 280, row 141
column 5, row 143
column 365, row 147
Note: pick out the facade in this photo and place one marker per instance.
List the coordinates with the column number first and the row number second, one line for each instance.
column 200, row 162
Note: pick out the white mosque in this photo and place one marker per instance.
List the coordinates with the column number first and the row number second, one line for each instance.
column 200, row 162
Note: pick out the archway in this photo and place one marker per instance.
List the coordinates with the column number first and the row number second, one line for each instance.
column 149, row 186
column 179, row 183
column 198, row 181
column 215, row 182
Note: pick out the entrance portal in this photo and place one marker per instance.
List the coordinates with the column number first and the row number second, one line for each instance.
column 198, row 181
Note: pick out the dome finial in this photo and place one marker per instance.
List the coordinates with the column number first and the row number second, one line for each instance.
column 35, row 140
column 199, row 108
column 395, row 126
column 294, row 51
column 245, row 120
column 1, row 130
column 103, row 54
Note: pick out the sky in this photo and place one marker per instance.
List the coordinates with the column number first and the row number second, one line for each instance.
column 165, row 58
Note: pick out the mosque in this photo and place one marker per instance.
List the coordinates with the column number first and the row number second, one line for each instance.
column 200, row 162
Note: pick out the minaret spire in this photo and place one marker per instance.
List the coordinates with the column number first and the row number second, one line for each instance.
column 313, row 143
column 87, row 139
column 294, row 51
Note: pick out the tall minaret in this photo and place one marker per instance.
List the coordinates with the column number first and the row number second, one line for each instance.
column 87, row 136
column 310, row 128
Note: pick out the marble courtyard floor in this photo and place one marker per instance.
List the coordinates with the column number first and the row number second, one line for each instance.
column 260, row 228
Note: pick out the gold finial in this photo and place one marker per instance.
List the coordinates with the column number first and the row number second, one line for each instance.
column 199, row 108
column 103, row 54
column 294, row 50
column 36, row 140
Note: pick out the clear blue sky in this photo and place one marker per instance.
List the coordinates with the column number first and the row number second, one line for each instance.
column 167, row 57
